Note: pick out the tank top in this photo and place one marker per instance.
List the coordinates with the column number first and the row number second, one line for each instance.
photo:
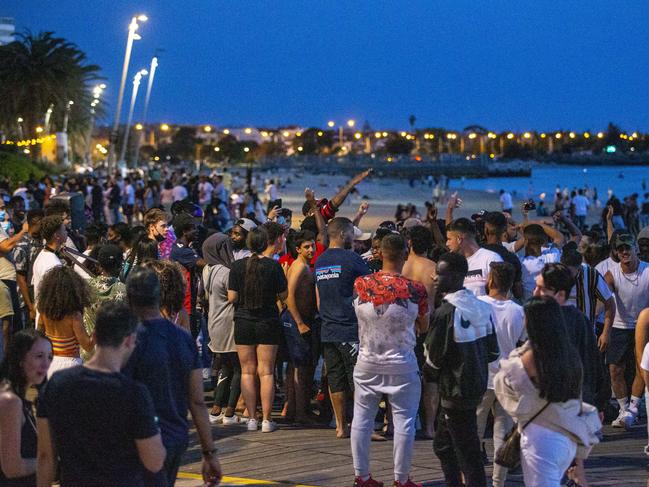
column 631, row 294
column 62, row 345
column 28, row 442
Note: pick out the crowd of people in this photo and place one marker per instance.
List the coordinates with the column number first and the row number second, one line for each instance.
column 117, row 317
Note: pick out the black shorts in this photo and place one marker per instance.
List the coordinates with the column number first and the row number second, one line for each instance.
column 620, row 345
column 340, row 359
column 248, row 332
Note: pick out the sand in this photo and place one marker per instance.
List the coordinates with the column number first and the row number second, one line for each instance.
column 383, row 196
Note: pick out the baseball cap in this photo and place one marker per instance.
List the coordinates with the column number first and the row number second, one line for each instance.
column 246, row 223
column 360, row 235
column 623, row 239
column 644, row 233
column 411, row 222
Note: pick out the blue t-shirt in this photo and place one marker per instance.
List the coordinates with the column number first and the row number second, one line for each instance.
column 335, row 271
column 163, row 360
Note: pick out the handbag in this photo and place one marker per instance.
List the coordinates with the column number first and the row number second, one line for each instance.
column 509, row 453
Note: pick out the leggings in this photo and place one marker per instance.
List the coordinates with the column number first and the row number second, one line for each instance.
column 228, row 384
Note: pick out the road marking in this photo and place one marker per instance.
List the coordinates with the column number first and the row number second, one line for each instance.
column 239, row 480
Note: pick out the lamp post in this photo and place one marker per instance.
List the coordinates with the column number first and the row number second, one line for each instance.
column 96, row 93
column 147, row 97
column 132, row 36
column 136, row 85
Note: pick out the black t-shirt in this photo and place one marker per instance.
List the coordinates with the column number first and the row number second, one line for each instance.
column 95, row 418
column 273, row 282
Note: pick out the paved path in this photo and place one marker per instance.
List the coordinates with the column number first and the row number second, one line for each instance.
column 314, row 457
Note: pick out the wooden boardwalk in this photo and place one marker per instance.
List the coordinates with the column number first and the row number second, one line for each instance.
column 315, row 457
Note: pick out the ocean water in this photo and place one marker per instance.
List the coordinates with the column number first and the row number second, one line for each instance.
column 621, row 180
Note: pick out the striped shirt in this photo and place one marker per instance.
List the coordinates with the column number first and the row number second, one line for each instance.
column 589, row 288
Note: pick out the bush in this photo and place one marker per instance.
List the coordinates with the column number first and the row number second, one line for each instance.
column 17, row 167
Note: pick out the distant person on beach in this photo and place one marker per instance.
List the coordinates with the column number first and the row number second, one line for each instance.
column 506, row 202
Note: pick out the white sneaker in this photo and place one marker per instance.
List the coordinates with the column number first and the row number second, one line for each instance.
column 619, row 421
column 216, row 418
column 230, row 420
column 268, row 426
column 252, row 425
column 630, row 419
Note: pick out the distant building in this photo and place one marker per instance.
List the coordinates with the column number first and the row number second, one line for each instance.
column 7, row 30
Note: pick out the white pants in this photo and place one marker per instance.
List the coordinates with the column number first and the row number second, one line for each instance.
column 545, row 456
column 502, row 425
column 60, row 363
column 404, row 392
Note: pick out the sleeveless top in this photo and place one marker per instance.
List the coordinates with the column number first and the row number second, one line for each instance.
column 631, row 294
column 28, row 442
column 62, row 346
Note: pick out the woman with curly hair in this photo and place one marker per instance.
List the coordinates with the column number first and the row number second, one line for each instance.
column 62, row 296
column 172, row 291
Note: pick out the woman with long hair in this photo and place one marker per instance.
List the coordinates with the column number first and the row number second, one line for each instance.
column 62, row 296
column 255, row 284
column 143, row 249
column 539, row 385
column 172, row 291
column 28, row 357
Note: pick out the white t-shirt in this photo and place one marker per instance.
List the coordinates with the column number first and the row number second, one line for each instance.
column 581, row 205
column 644, row 363
column 506, row 201
column 271, row 191
column 45, row 261
column 180, row 192
column 7, row 268
column 532, row 267
column 129, row 194
column 631, row 295
column 509, row 323
column 476, row 278
column 604, row 266
column 205, row 192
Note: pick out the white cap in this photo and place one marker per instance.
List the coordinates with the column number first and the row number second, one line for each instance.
column 360, row 235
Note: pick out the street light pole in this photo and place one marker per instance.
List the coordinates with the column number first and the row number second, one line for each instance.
column 136, row 85
column 96, row 93
column 132, row 36
column 147, row 97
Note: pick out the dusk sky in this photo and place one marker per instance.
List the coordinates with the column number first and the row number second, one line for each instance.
column 506, row 65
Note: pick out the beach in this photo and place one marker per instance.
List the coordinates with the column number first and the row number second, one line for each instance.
column 383, row 196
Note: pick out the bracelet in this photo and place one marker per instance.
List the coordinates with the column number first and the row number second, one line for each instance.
column 209, row 453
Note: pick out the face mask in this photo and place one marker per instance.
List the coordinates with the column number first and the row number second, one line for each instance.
column 3, row 214
column 159, row 237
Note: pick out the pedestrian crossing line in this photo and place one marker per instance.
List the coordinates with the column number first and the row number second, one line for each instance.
column 239, row 480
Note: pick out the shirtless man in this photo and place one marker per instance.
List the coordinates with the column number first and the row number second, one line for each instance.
column 420, row 268
column 301, row 303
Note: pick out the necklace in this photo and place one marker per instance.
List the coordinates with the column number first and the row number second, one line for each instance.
column 633, row 281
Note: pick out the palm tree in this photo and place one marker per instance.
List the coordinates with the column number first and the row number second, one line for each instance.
column 39, row 71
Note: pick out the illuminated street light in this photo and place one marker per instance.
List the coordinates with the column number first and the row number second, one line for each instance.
column 351, row 123
column 527, row 135
column 471, row 136
column 39, row 130
column 572, row 135
column 132, row 36
column 331, row 123
column 248, row 130
column 164, row 127
column 136, row 86
column 358, row 135
column 286, row 133
column 510, row 136
column 558, row 135
column 207, row 128
column 246, row 149
column 226, row 131
column 139, row 126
